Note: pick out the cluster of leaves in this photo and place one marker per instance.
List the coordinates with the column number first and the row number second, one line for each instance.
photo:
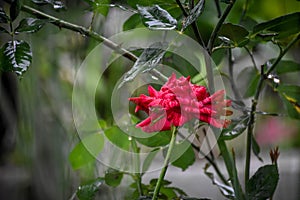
column 85, row 153
column 16, row 55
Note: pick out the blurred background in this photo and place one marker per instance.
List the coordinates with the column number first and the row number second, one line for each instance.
column 37, row 131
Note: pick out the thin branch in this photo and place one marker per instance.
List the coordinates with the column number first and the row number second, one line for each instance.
column 218, row 27
column 251, row 56
column 234, row 88
column 254, row 105
column 89, row 33
column 82, row 30
column 210, row 161
column 282, row 53
column 194, row 25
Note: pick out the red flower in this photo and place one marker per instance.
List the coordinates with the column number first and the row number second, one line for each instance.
column 178, row 102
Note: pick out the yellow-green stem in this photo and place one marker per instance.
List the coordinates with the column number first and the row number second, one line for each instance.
column 166, row 163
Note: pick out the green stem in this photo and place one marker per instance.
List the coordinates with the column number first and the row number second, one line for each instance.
column 166, row 163
column 138, row 176
column 218, row 27
column 254, row 105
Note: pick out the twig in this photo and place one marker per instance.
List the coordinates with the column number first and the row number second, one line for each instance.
column 252, row 57
column 254, row 105
column 218, row 27
column 235, row 91
column 211, row 162
column 194, row 25
column 89, row 33
column 82, row 30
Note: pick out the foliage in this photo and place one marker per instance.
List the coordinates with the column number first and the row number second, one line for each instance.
column 190, row 18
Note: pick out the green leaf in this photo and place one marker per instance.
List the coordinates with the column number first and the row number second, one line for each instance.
column 30, row 25
column 248, row 80
column 236, row 33
column 148, row 160
column 57, row 5
column 186, row 159
column 236, row 128
column 15, row 56
column 3, row 30
column 132, row 22
column 3, row 17
column 164, row 182
column 88, row 191
column 117, row 137
column 283, row 26
column 86, row 151
column 156, row 18
column 286, row 66
column 101, row 6
column 157, row 140
column 290, row 95
column 15, row 9
column 113, row 177
column 263, row 183
column 256, row 148
column 148, row 60
column 194, row 14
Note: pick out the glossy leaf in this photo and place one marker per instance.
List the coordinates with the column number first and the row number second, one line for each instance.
column 57, row 5
column 290, row 94
column 132, row 22
column 88, row 191
column 156, row 18
column 30, row 25
column 148, row 60
column 194, row 14
column 15, row 57
column 286, row 66
column 186, row 159
column 248, row 80
column 3, row 17
column 86, row 151
column 157, row 140
column 284, row 26
column 263, row 183
column 226, row 190
column 15, row 8
column 113, row 177
column 117, row 137
column 236, row 128
column 236, row 33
